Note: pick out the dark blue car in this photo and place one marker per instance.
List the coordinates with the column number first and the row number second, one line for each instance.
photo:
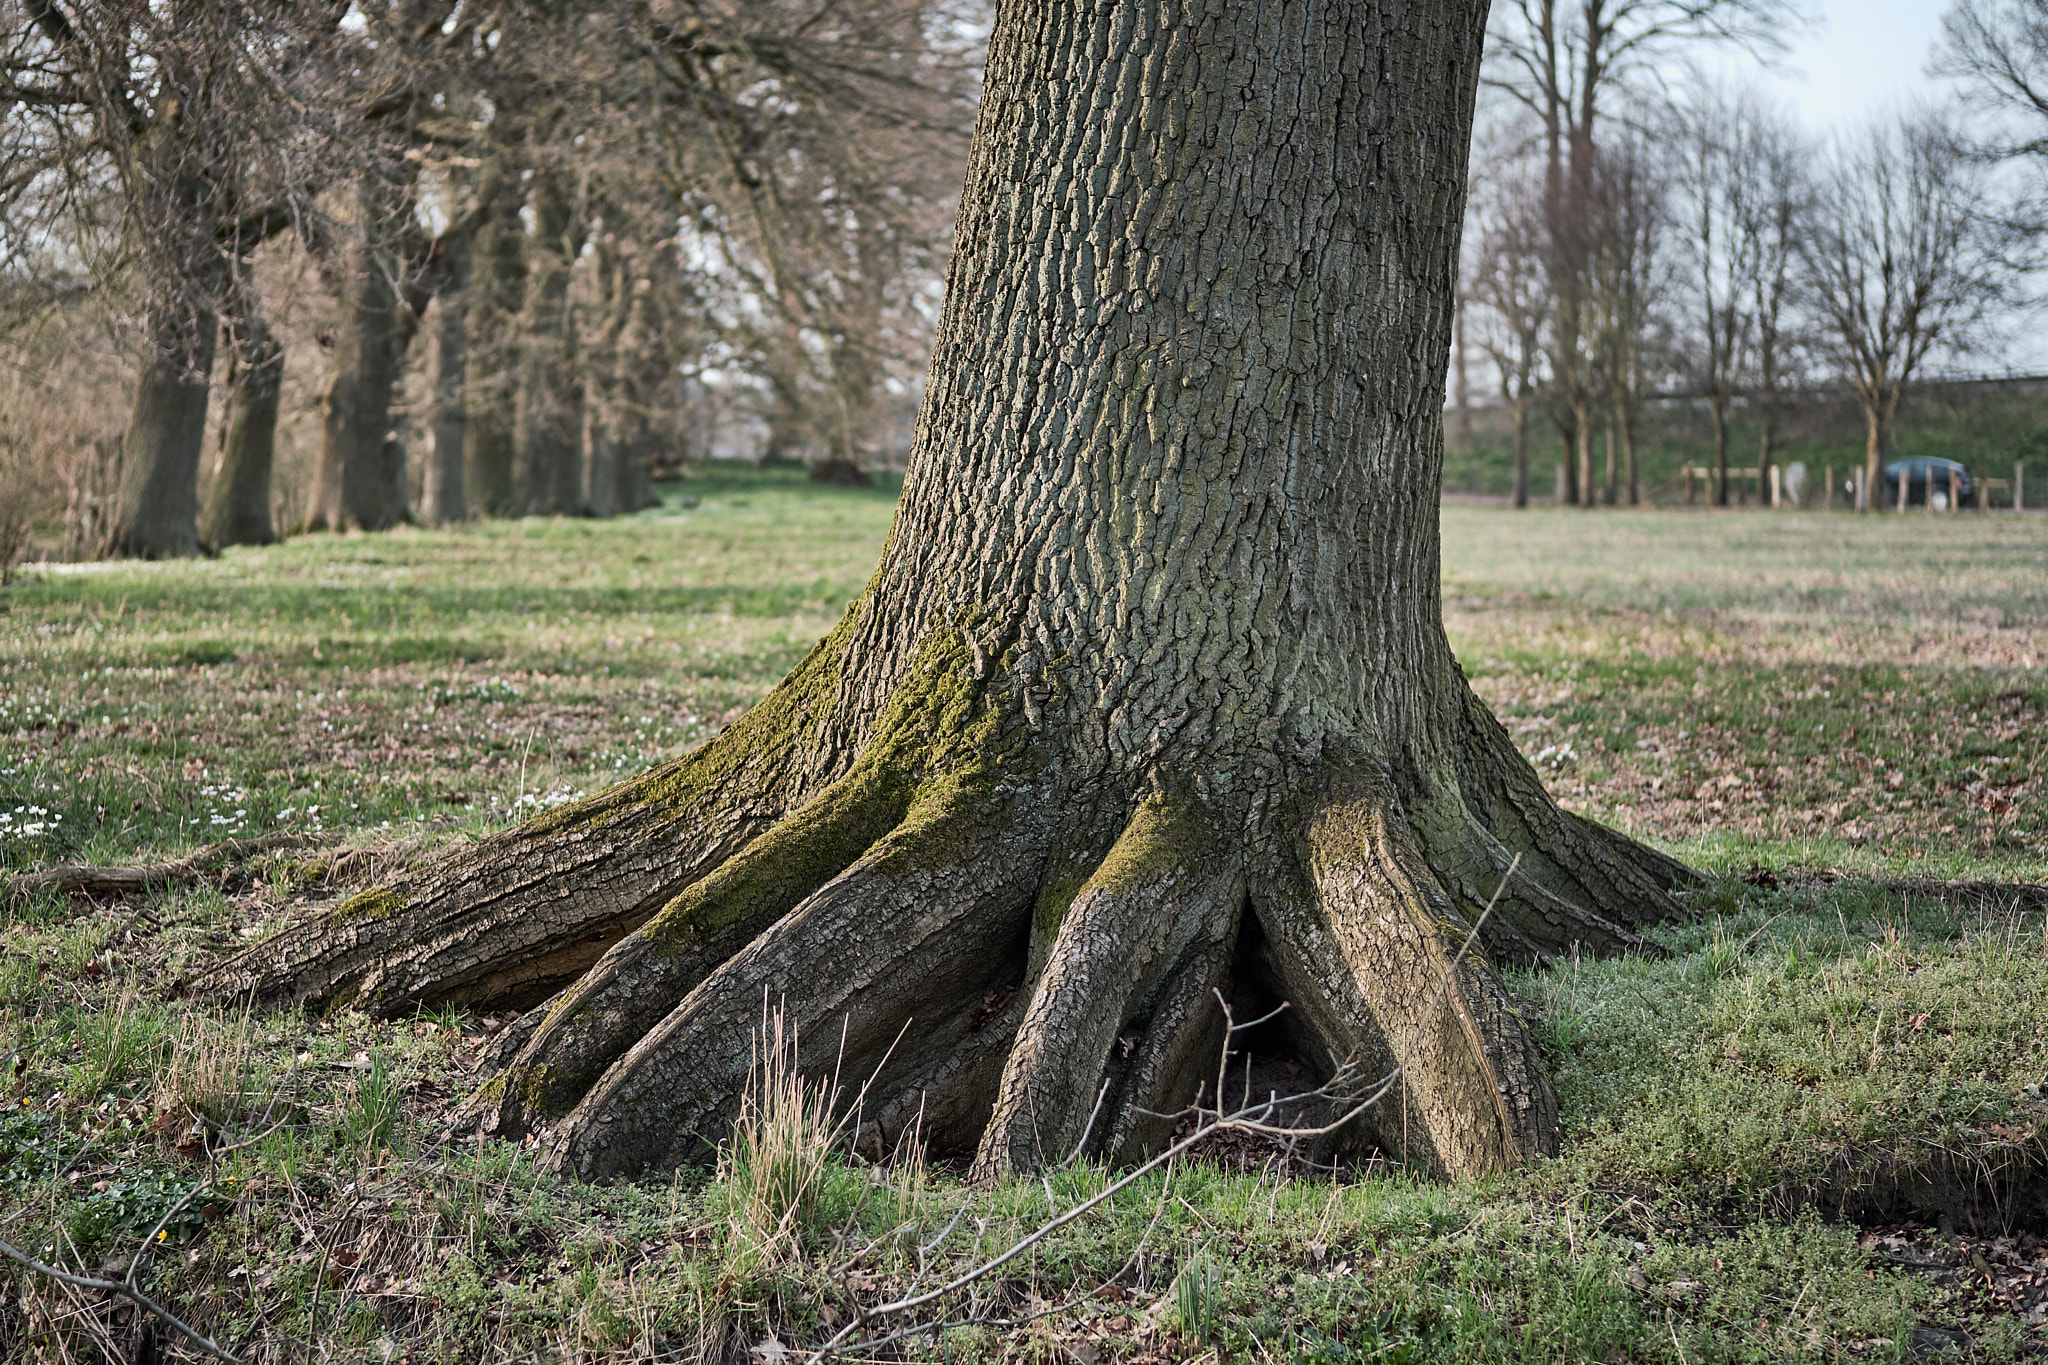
column 1922, row 471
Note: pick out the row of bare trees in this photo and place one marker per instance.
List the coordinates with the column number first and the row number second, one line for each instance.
column 533, row 228
column 1631, row 233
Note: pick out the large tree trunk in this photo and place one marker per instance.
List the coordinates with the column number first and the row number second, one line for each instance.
column 352, row 488
column 1149, row 697
column 156, row 510
column 238, row 505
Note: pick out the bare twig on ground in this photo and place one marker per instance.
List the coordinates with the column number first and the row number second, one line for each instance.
column 124, row 1288
column 123, row 881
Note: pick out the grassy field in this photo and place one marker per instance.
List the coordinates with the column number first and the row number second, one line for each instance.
column 1814, row 1130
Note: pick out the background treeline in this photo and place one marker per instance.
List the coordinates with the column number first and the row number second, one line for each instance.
column 1662, row 267
column 269, row 267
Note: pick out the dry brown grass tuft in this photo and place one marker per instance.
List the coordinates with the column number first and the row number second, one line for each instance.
column 780, row 1147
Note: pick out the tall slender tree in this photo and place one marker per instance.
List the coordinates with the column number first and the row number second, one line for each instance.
column 1510, row 304
column 1901, row 258
column 1565, row 62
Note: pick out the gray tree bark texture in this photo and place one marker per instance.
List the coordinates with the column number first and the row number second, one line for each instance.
column 442, row 495
column 548, row 418
column 156, row 508
column 351, row 487
column 238, row 505
column 498, row 286
column 1149, row 696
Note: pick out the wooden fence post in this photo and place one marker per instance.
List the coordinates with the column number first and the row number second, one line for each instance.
column 2019, row 497
column 1829, row 505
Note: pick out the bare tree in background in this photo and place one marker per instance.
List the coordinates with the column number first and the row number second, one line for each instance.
column 200, row 124
column 1564, row 61
column 1721, row 252
column 1626, row 279
column 1776, row 199
column 1507, row 301
column 1902, row 258
column 1740, row 175
column 1999, row 49
column 828, row 147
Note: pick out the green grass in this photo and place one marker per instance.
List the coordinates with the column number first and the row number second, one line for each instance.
column 1842, row 710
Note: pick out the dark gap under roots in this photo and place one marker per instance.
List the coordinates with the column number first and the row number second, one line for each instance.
column 1283, row 1056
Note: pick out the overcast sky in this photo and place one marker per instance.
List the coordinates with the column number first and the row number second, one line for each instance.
column 1868, row 56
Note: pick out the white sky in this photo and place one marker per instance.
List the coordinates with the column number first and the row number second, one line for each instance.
column 1866, row 57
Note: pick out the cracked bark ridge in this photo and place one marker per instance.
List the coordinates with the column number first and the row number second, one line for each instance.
column 1149, row 696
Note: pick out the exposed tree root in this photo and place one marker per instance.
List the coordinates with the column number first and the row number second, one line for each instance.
column 1022, row 968
column 911, row 935
column 1168, row 890
column 528, row 911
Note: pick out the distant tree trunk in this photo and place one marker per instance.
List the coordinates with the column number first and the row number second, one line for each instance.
column 352, row 487
column 488, row 450
column 156, row 511
column 789, row 434
column 1763, row 471
column 1628, row 456
column 616, row 479
column 1765, row 441
column 548, row 418
column 1875, row 447
column 1718, row 407
column 845, row 462
column 443, row 498
column 1589, row 490
column 1520, row 409
column 1568, row 464
column 391, row 470
column 238, row 506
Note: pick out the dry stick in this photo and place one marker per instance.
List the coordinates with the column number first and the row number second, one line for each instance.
column 1242, row 1120
column 1144, row 1240
column 118, row 881
column 126, row 1291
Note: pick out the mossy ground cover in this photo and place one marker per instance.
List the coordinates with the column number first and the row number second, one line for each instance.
column 1833, row 716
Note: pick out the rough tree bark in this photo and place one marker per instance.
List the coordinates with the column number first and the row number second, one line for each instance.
column 238, row 505
column 442, row 496
column 156, row 509
column 1149, row 696
column 548, row 418
column 351, row 490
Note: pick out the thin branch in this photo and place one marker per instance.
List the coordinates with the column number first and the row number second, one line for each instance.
column 126, row 1291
